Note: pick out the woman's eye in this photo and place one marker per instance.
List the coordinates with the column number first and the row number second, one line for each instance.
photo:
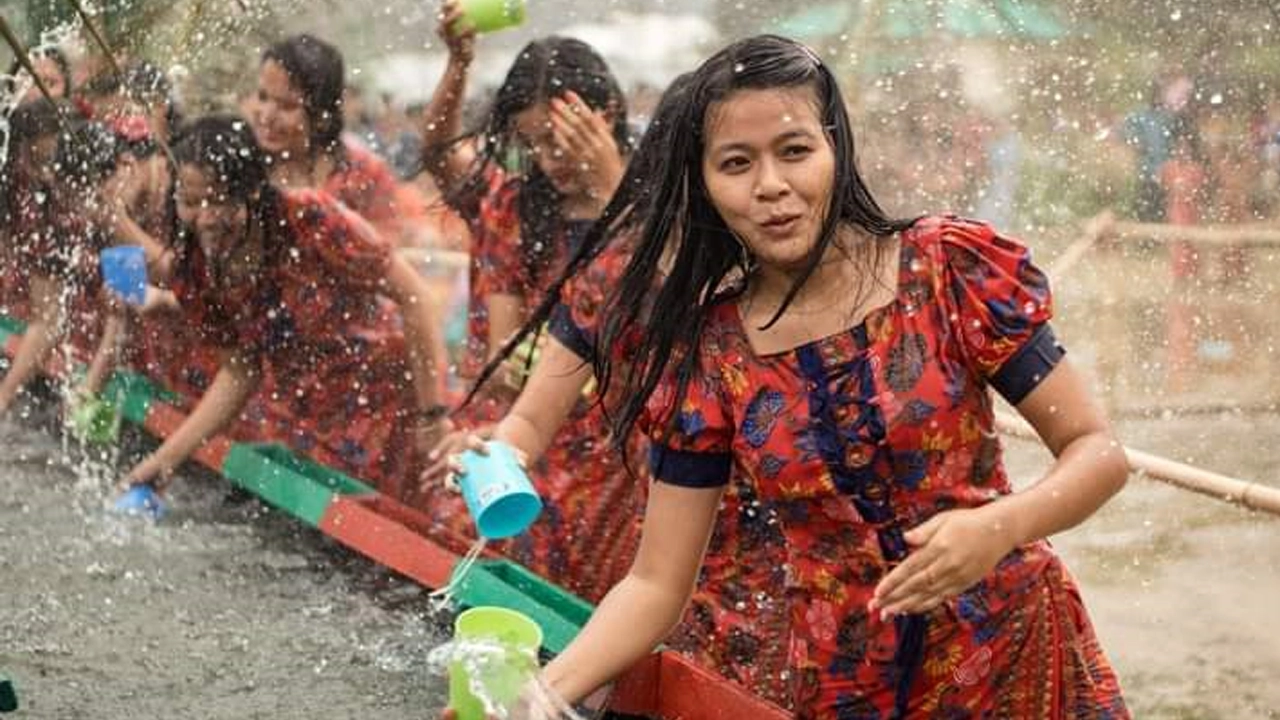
column 733, row 164
column 793, row 151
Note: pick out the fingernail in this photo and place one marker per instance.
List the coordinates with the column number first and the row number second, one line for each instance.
column 433, row 455
column 884, row 615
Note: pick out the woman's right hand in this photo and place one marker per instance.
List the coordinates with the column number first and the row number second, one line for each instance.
column 460, row 41
column 443, row 463
column 150, row 471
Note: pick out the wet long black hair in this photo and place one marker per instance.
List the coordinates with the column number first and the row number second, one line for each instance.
column 544, row 69
column 707, row 256
column 622, row 218
column 316, row 69
column 224, row 148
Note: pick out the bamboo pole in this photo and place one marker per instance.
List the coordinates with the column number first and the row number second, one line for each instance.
column 1251, row 495
column 1204, row 234
column 93, row 30
column 1092, row 231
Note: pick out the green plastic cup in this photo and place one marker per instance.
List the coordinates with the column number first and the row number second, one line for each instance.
column 502, row 676
column 492, row 15
column 95, row 421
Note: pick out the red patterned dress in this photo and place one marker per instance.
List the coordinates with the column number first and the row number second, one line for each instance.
column 850, row 440
column 733, row 624
column 174, row 353
column 20, row 214
column 586, row 536
column 337, row 372
column 363, row 182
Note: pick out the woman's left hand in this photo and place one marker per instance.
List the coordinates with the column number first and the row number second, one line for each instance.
column 953, row 551
column 149, row 471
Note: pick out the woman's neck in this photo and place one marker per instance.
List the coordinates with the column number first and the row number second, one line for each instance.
column 829, row 281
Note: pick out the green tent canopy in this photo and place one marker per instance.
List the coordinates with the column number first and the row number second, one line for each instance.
column 903, row 19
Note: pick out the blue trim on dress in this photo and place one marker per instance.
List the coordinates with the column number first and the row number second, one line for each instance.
column 868, row 480
column 686, row 468
column 1029, row 366
column 563, row 328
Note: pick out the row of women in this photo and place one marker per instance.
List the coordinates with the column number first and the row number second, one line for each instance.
column 753, row 387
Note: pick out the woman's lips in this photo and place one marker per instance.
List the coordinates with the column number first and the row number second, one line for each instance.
column 782, row 225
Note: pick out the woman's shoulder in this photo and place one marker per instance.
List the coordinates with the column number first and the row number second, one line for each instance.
column 948, row 228
column 361, row 160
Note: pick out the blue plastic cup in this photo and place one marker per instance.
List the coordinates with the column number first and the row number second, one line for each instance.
column 124, row 269
column 141, row 499
column 498, row 493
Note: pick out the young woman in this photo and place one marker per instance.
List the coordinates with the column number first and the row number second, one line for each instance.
column 55, row 241
column 33, row 132
column 732, row 626
column 844, row 381
column 297, row 119
column 291, row 284
column 560, row 118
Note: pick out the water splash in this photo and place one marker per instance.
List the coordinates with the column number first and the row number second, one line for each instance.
column 490, row 667
column 15, row 87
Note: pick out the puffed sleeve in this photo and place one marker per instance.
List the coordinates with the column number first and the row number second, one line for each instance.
column 1001, row 305
column 345, row 244
column 575, row 322
column 693, row 448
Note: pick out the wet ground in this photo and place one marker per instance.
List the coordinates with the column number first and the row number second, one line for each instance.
column 224, row 610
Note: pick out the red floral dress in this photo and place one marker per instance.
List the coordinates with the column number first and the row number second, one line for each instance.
column 850, row 440
column 733, row 625
column 363, row 182
column 336, row 382
column 586, row 536
column 21, row 219
column 174, row 353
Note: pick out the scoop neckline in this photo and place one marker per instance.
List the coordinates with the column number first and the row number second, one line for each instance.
column 858, row 331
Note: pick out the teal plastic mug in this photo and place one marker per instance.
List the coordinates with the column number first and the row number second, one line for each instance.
column 492, row 15
column 498, row 493
column 505, row 658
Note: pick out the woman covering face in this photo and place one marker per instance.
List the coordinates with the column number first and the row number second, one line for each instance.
column 530, row 182
column 297, row 119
